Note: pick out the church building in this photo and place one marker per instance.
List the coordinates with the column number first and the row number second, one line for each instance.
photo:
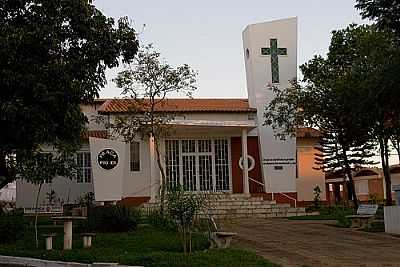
column 218, row 145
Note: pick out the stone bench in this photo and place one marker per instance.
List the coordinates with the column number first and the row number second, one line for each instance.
column 364, row 217
column 220, row 239
column 87, row 239
column 49, row 240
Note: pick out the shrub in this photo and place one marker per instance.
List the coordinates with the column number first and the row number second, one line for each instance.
column 183, row 207
column 12, row 227
column 156, row 219
column 317, row 198
column 112, row 219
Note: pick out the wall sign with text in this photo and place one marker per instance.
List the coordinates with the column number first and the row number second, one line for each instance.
column 107, row 159
column 279, row 161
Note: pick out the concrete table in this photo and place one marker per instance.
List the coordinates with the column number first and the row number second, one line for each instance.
column 49, row 240
column 68, row 228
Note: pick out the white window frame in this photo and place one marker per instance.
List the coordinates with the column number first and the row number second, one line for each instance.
column 197, row 154
column 130, row 157
column 83, row 168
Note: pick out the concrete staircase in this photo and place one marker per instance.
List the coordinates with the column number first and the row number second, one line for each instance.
column 224, row 206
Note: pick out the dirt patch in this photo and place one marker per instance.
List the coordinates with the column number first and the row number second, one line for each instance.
column 315, row 243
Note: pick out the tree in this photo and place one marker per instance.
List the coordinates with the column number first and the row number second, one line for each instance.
column 183, row 207
column 149, row 83
column 39, row 168
column 53, row 58
column 330, row 100
column 386, row 13
column 354, row 93
column 378, row 64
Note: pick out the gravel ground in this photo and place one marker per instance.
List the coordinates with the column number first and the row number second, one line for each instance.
column 315, row 243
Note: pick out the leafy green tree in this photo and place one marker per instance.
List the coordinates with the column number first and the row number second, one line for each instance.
column 386, row 13
column 183, row 207
column 53, row 58
column 39, row 168
column 378, row 68
column 352, row 96
column 149, row 82
column 329, row 99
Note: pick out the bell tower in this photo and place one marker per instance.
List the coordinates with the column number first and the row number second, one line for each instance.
column 270, row 54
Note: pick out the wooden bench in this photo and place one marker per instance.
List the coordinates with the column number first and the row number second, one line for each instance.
column 220, row 239
column 49, row 240
column 87, row 239
column 365, row 216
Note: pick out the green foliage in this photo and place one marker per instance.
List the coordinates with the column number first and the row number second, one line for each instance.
column 87, row 200
column 376, row 227
column 386, row 13
column 150, row 81
column 112, row 219
column 51, row 197
column 336, row 212
column 317, row 198
column 54, row 56
column 343, row 222
column 12, row 227
column 156, row 219
column 183, row 207
column 339, row 212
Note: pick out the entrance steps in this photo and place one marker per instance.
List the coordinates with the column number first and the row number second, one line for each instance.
column 224, row 206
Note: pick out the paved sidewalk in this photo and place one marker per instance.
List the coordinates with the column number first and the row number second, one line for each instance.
column 315, row 243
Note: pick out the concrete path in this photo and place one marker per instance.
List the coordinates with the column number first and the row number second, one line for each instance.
column 315, row 243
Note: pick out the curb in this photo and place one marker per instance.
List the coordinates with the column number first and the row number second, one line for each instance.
column 32, row 262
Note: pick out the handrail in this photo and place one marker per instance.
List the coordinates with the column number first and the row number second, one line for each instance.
column 257, row 182
column 289, row 197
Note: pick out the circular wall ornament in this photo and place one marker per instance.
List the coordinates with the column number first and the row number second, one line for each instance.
column 251, row 163
column 107, row 159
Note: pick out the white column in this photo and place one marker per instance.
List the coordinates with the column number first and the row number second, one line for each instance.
column 49, row 242
column 154, row 186
column 67, row 235
column 245, row 162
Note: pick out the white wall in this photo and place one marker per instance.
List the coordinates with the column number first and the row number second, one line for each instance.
column 392, row 219
column 138, row 183
column 67, row 190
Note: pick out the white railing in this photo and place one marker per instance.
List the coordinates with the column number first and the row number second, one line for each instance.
column 287, row 196
column 257, row 182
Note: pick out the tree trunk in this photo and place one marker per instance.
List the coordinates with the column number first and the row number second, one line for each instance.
column 396, row 144
column 6, row 174
column 350, row 184
column 36, row 215
column 384, row 151
column 163, row 177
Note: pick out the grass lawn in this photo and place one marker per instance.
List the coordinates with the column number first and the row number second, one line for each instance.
column 147, row 246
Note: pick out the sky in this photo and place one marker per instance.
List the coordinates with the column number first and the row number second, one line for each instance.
column 207, row 34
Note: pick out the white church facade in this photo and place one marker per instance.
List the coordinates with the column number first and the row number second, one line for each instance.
column 210, row 139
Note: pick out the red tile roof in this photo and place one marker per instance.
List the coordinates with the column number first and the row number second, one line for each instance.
column 103, row 134
column 180, row 105
column 300, row 133
column 307, row 132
